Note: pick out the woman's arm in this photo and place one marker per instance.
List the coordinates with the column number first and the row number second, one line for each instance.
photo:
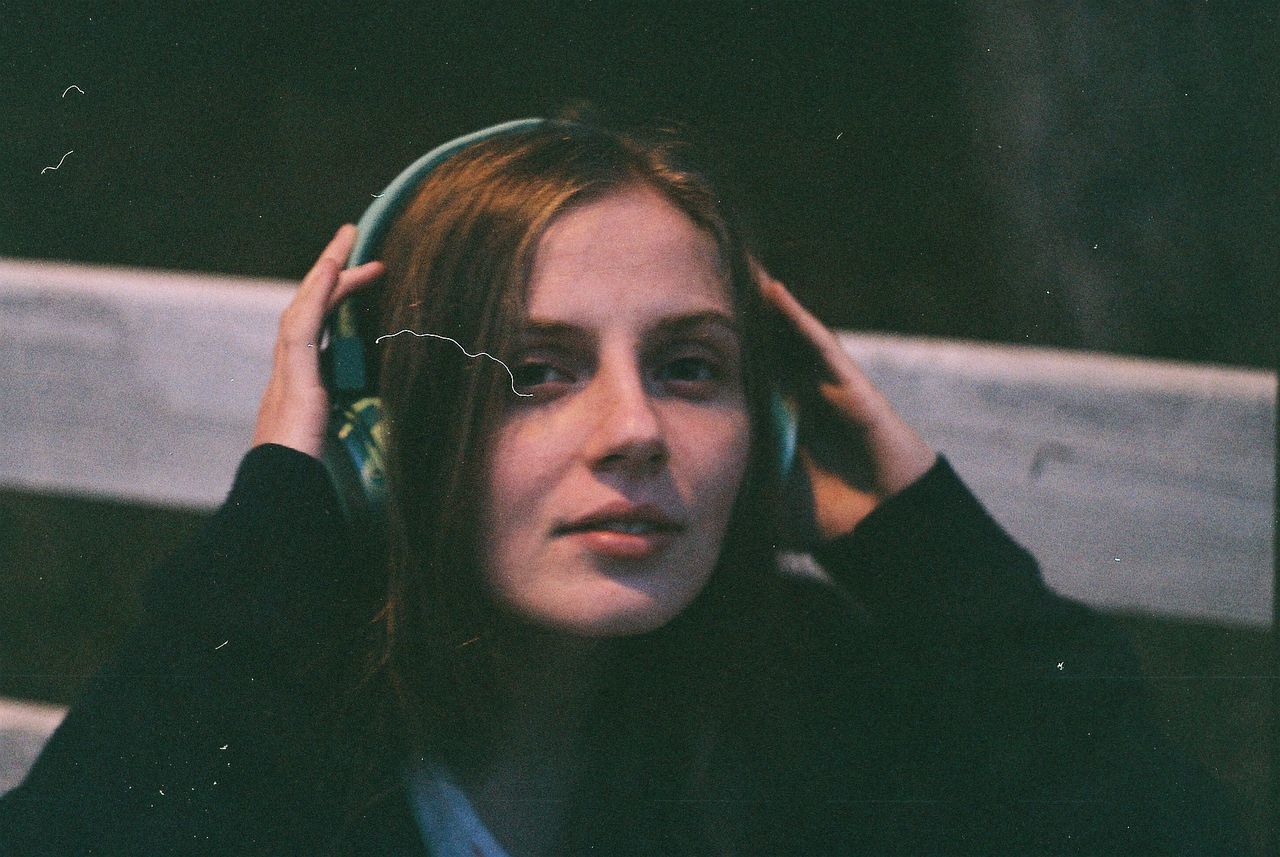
column 1014, row 720
column 209, row 721
column 1020, row 715
column 183, row 731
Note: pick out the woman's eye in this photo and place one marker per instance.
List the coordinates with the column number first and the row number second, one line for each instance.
column 534, row 374
column 690, row 369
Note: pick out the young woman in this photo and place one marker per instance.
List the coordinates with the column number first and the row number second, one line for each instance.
column 579, row 641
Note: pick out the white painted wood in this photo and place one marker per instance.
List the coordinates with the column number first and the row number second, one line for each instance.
column 1142, row 486
column 24, row 729
column 133, row 385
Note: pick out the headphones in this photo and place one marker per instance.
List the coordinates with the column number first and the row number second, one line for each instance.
column 355, row 442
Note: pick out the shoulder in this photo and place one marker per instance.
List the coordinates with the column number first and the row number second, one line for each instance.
column 815, row 634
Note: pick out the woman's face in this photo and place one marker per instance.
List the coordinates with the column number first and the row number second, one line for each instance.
column 609, row 490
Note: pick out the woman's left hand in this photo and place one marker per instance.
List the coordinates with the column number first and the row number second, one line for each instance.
column 855, row 448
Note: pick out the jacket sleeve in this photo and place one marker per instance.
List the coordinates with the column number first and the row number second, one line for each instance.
column 1018, row 716
column 209, row 695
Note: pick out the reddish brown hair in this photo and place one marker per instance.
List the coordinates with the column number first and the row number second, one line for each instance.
column 458, row 263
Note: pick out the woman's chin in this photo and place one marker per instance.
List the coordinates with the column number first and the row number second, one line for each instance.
column 610, row 610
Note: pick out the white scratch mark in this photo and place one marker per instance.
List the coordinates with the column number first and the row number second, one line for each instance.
column 161, row 791
column 464, row 351
column 839, row 135
column 1060, row 664
column 469, row 642
column 71, row 87
column 378, row 195
column 64, row 157
column 224, row 746
column 224, row 642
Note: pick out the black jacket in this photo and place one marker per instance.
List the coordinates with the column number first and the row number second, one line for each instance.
column 954, row 705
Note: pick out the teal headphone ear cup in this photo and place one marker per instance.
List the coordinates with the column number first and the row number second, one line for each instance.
column 795, row 522
column 784, row 413
column 356, row 433
column 354, row 458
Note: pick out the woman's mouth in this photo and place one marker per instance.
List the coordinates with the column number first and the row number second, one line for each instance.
column 628, row 540
column 623, row 530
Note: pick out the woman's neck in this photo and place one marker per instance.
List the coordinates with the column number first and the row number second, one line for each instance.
column 548, row 686
column 534, row 755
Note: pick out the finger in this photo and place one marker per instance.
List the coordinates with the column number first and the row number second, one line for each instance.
column 817, row 333
column 302, row 316
column 353, row 280
column 339, row 246
column 300, row 326
column 758, row 271
column 315, row 294
column 333, row 256
column 853, row 392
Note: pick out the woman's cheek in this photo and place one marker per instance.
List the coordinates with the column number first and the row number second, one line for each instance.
column 720, row 452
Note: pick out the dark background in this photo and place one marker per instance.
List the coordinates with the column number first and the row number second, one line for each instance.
column 1085, row 175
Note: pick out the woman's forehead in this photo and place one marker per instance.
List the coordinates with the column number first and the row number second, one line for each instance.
column 632, row 250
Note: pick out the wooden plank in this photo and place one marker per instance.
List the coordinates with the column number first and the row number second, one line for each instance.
column 139, row 386
column 24, row 729
column 1142, row 486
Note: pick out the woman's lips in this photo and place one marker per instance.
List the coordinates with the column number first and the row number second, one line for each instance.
column 618, row 545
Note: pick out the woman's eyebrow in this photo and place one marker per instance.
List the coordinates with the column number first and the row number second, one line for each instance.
column 536, row 330
column 692, row 322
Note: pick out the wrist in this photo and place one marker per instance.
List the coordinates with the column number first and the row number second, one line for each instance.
column 902, row 455
column 301, row 440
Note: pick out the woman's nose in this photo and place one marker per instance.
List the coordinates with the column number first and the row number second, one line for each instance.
column 627, row 432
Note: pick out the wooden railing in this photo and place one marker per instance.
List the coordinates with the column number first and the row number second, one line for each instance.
column 1142, row 486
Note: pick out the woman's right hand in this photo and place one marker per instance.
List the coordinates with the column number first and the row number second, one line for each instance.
column 295, row 405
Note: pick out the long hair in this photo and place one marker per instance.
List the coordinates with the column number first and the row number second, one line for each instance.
column 459, row 261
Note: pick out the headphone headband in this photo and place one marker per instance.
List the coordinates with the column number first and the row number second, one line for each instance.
column 378, row 217
column 345, row 365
